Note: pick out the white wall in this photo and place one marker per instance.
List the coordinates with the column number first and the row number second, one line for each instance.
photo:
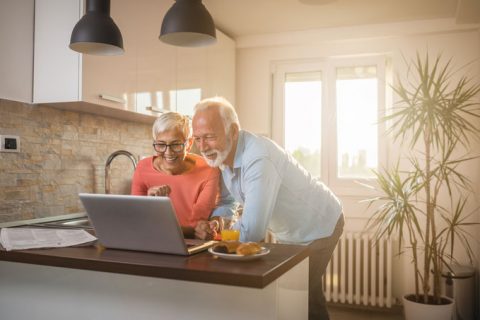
column 257, row 54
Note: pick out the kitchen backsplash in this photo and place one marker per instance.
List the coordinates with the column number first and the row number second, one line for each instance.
column 61, row 154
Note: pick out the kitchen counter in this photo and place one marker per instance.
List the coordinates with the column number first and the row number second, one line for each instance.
column 117, row 284
column 201, row 267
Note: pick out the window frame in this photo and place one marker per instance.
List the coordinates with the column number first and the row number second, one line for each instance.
column 327, row 67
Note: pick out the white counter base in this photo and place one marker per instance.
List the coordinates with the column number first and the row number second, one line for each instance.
column 50, row 293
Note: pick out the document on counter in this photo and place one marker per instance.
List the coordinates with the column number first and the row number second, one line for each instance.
column 34, row 238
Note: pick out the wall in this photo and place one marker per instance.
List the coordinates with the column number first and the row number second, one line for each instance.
column 257, row 54
column 61, row 154
column 477, row 193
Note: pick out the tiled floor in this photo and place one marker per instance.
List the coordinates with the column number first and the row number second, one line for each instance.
column 356, row 313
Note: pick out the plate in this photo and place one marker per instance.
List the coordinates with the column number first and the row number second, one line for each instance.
column 238, row 257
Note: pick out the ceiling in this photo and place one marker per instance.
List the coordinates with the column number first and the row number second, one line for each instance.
column 239, row 18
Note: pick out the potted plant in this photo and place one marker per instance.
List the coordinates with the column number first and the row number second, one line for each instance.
column 425, row 204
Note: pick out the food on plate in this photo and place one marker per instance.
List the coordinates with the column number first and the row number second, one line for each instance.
column 237, row 247
column 248, row 248
column 226, row 246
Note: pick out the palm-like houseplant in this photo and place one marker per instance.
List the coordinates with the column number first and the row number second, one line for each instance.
column 426, row 205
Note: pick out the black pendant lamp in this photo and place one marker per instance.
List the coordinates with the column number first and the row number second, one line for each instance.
column 96, row 32
column 188, row 24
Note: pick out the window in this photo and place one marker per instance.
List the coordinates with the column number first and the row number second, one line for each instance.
column 357, row 113
column 303, row 130
column 326, row 115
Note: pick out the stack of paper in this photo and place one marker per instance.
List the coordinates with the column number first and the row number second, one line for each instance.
column 33, row 238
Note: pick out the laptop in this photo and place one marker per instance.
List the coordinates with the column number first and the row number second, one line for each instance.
column 138, row 223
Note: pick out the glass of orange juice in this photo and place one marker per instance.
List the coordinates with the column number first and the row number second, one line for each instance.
column 230, row 234
column 229, row 229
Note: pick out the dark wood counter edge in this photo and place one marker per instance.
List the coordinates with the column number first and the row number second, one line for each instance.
column 204, row 276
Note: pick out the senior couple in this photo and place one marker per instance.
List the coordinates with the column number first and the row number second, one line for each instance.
column 276, row 193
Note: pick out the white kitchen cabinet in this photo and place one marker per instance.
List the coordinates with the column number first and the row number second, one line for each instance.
column 150, row 74
column 196, row 73
column 112, row 80
column 192, row 79
column 156, row 62
column 62, row 75
column 30, row 291
column 175, row 78
column 221, row 68
column 56, row 69
column 205, row 72
column 16, row 54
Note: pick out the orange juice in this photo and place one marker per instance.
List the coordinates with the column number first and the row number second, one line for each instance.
column 229, row 234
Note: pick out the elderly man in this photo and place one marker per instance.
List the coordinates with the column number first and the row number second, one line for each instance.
column 276, row 193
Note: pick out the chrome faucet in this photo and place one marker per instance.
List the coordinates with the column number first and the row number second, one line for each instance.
column 109, row 161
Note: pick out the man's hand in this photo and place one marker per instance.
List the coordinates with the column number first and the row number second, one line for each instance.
column 159, row 191
column 206, row 230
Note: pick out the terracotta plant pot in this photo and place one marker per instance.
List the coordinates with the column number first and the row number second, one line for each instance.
column 422, row 311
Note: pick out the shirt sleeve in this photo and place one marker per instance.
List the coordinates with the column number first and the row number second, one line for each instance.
column 226, row 204
column 138, row 188
column 261, row 182
column 205, row 202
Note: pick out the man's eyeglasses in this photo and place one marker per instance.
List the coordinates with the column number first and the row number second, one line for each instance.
column 162, row 147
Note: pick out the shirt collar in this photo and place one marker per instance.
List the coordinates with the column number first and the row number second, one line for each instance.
column 237, row 162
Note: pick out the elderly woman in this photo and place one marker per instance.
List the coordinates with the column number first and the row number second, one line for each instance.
column 190, row 183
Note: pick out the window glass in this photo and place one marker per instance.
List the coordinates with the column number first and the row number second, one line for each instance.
column 357, row 117
column 303, row 109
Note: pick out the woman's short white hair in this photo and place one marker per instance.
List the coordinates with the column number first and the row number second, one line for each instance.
column 172, row 120
column 227, row 111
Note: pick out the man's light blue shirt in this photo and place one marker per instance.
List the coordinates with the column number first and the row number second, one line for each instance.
column 278, row 194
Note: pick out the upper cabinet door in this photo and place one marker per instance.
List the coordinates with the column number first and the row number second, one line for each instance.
column 176, row 78
column 150, row 75
column 63, row 75
column 112, row 80
column 221, row 68
column 156, row 61
column 56, row 68
column 16, row 55
column 192, row 79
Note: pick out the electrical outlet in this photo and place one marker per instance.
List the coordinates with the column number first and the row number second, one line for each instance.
column 9, row 143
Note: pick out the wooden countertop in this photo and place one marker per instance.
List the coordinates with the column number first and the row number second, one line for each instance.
column 201, row 267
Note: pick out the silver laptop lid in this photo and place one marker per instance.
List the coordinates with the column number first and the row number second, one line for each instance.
column 135, row 222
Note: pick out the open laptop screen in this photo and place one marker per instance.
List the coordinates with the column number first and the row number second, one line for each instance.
column 136, row 223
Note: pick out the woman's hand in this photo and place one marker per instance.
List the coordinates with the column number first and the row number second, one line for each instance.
column 159, row 191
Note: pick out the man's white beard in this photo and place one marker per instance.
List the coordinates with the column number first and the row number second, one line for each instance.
column 221, row 155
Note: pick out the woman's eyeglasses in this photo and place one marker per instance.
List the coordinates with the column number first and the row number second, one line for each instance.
column 162, row 147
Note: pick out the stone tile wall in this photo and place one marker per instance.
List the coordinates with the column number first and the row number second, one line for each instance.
column 61, row 154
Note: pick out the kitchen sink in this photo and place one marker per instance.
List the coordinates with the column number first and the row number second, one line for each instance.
column 66, row 221
column 82, row 222
column 74, row 223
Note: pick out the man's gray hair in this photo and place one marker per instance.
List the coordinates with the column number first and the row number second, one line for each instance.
column 172, row 120
column 226, row 110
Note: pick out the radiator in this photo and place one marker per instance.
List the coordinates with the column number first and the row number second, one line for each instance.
column 360, row 271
